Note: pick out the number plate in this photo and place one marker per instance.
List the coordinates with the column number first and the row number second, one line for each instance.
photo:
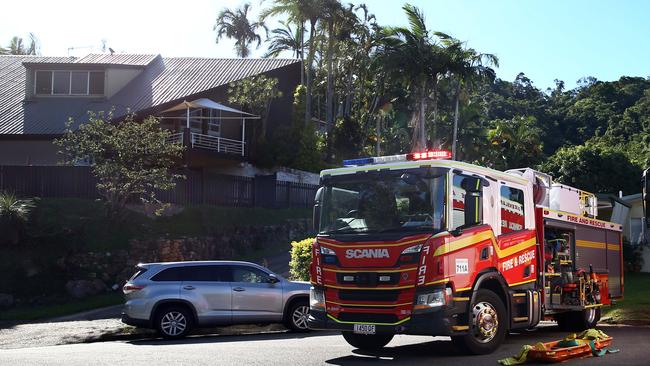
column 364, row 329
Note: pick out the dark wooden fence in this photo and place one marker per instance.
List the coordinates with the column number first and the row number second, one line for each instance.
column 199, row 187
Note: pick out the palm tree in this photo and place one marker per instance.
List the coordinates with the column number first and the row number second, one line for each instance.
column 467, row 67
column 301, row 12
column 17, row 46
column 284, row 39
column 413, row 56
column 235, row 25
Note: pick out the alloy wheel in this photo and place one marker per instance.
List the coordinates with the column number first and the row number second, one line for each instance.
column 299, row 316
column 173, row 323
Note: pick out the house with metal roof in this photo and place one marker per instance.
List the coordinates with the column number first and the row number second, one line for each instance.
column 39, row 95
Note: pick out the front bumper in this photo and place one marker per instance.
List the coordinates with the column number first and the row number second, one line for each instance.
column 446, row 321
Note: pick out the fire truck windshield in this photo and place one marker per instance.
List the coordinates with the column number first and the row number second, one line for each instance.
column 382, row 201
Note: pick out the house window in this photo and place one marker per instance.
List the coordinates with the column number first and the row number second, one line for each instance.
column 512, row 210
column 62, row 82
column 43, row 82
column 214, row 123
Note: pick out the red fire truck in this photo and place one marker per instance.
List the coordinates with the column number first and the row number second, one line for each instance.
column 418, row 244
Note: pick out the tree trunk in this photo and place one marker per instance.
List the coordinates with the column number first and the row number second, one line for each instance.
column 455, row 136
column 329, row 95
column 434, row 126
column 310, row 58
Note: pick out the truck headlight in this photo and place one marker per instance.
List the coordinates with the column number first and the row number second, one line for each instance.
column 326, row 251
column 412, row 249
column 316, row 298
column 431, row 300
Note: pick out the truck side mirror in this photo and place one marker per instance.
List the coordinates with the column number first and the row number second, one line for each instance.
column 646, row 196
column 316, row 212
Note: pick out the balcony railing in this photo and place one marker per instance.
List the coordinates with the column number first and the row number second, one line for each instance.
column 218, row 144
column 175, row 138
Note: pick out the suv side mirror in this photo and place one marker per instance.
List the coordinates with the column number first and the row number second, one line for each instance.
column 272, row 279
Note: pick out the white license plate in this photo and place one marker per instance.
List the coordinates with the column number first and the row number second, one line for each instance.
column 364, row 329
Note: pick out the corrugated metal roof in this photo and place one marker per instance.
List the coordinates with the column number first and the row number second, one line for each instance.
column 163, row 81
column 117, row 59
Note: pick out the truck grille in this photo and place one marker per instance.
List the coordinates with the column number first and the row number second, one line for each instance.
column 368, row 317
column 368, row 278
column 369, row 295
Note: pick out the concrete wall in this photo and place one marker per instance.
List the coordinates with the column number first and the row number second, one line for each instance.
column 29, row 152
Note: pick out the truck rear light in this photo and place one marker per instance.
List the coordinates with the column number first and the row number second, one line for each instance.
column 130, row 288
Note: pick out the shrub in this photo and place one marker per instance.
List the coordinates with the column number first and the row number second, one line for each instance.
column 300, row 259
column 632, row 256
column 14, row 214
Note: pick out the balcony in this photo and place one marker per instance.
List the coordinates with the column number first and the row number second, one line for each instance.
column 218, row 144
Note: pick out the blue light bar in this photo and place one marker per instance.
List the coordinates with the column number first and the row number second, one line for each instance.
column 355, row 162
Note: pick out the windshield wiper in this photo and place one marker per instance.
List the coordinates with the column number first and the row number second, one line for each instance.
column 348, row 230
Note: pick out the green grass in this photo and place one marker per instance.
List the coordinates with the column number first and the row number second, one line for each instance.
column 635, row 306
column 57, row 310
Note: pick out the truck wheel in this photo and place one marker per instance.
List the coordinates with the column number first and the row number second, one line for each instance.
column 487, row 325
column 578, row 320
column 368, row 342
column 173, row 322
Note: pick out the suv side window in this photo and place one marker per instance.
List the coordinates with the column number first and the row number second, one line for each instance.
column 169, row 274
column 248, row 274
column 206, row 274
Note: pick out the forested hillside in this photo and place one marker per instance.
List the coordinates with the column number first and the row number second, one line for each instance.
column 385, row 89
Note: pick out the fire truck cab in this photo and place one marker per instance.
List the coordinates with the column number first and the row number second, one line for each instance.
column 417, row 244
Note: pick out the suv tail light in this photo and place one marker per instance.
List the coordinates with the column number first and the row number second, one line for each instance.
column 130, row 288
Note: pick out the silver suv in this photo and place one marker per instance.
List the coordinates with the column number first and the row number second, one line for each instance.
column 175, row 297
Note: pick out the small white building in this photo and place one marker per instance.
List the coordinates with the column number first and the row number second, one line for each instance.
column 635, row 228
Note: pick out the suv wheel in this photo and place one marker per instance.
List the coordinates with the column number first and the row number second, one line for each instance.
column 296, row 317
column 173, row 322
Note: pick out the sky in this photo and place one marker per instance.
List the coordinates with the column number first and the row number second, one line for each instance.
column 547, row 40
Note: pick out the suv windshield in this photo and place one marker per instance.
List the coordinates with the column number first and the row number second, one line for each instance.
column 381, row 201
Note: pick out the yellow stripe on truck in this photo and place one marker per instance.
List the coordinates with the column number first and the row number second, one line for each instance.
column 591, row 244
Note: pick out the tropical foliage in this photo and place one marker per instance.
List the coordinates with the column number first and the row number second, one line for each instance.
column 235, row 25
column 17, row 46
column 14, row 214
column 387, row 89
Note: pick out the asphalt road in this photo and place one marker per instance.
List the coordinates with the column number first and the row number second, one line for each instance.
column 310, row 349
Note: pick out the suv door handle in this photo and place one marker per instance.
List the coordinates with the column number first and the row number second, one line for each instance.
column 189, row 287
column 239, row 289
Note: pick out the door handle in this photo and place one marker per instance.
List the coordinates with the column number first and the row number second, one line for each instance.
column 189, row 287
column 239, row 289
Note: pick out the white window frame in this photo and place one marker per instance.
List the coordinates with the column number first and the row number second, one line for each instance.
column 529, row 213
column 69, row 94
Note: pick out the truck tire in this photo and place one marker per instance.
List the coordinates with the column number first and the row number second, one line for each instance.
column 488, row 323
column 173, row 322
column 370, row 342
column 578, row 320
